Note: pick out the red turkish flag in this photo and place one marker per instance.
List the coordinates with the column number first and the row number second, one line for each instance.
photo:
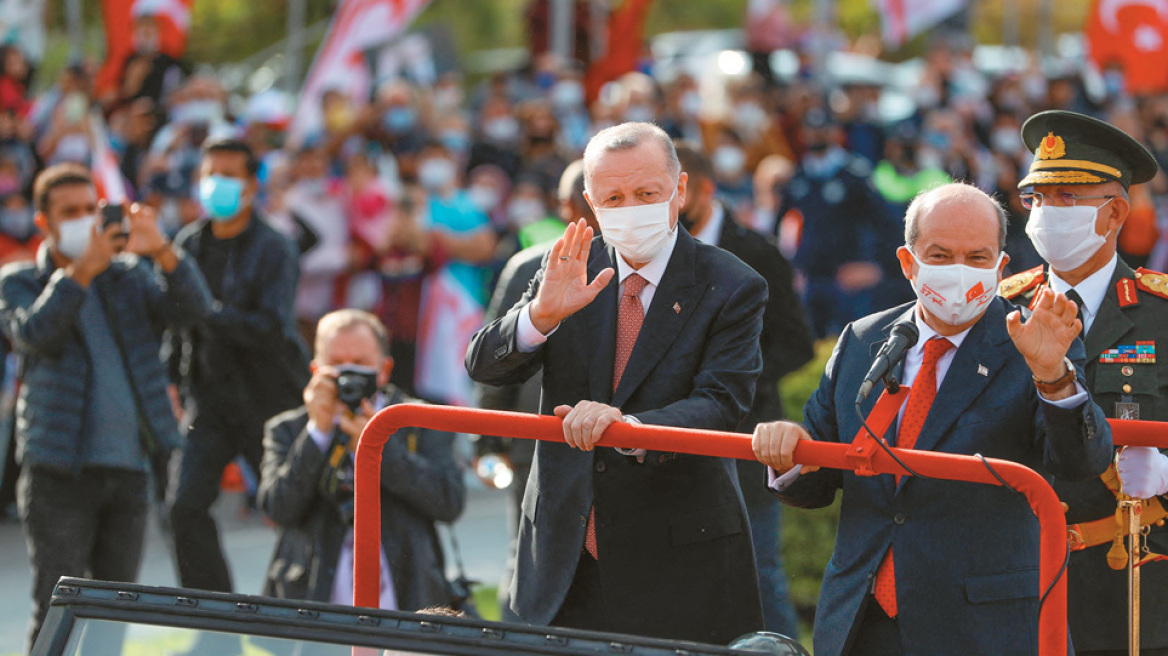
column 1134, row 35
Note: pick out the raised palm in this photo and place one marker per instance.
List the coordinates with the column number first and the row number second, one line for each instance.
column 565, row 289
column 1044, row 339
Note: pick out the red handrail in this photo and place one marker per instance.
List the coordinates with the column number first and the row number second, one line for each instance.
column 1053, row 618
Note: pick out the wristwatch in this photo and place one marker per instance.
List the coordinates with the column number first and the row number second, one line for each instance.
column 1054, row 386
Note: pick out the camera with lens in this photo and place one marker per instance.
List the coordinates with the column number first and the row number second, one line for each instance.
column 355, row 384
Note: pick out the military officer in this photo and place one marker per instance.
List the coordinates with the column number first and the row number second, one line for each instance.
column 1077, row 194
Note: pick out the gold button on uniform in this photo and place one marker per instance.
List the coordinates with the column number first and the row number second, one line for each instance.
column 1127, row 389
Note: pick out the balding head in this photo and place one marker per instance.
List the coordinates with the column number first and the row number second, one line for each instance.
column 628, row 136
column 951, row 205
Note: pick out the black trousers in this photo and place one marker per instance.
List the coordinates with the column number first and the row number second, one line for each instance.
column 583, row 606
column 212, row 443
column 877, row 635
column 91, row 525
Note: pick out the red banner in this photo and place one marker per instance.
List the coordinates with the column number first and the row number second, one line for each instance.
column 174, row 21
column 1131, row 34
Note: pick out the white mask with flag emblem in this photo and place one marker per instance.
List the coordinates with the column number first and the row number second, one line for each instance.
column 955, row 293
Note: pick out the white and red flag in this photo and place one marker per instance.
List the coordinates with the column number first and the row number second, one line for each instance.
column 340, row 64
column 901, row 20
column 107, row 175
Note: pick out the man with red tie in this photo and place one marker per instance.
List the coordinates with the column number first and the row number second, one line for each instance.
column 644, row 325
column 924, row 566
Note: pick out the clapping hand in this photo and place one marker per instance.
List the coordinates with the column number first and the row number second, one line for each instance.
column 565, row 288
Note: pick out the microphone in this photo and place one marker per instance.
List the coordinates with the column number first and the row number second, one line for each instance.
column 904, row 336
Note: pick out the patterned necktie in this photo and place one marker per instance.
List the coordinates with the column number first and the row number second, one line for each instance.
column 630, row 316
column 1074, row 296
column 920, row 399
column 628, row 325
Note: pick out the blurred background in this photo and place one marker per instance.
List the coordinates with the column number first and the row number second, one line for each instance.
column 801, row 106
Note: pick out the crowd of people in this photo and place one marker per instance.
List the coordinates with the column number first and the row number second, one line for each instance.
column 391, row 234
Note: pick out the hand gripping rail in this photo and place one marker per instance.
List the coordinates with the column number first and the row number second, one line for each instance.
column 1052, row 637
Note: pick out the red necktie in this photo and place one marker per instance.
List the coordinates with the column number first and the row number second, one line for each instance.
column 630, row 316
column 920, row 399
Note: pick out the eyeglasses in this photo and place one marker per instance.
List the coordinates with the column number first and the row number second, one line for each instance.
column 1059, row 198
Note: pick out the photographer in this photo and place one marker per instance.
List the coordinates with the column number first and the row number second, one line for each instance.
column 307, row 481
column 93, row 408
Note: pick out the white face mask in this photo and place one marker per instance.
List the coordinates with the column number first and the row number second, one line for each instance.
column 1065, row 236
column 637, row 232
column 955, row 293
column 73, row 236
column 436, row 173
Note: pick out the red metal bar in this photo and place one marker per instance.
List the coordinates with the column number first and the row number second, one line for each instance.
column 1126, row 432
column 1044, row 502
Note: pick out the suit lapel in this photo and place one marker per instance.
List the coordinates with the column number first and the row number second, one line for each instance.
column 1110, row 322
column 600, row 317
column 673, row 304
column 988, row 345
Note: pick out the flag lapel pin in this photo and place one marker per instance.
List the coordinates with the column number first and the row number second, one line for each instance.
column 982, row 370
column 677, row 308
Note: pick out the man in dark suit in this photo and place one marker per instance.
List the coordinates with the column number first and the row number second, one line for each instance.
column 1078, row 204
column 786, row 345
column 524, row 397
column 632, row 541
column 306, row 486
column 965, row 575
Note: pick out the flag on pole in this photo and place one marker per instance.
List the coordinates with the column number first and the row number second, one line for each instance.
column 340, row 64
column 901, row 20
column 119, row 16
column 1134, row 35
column 107, row 175
column 626, row 40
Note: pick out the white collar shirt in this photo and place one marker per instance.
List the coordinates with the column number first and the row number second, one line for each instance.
column 1091, row 290
column 711, row 233
column 651, row 272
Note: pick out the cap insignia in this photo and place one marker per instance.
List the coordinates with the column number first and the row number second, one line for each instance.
column 1051, row 147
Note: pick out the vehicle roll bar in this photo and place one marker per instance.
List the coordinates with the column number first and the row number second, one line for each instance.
column 861, row 456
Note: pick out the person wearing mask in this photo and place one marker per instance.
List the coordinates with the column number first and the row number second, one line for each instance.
column 94, row 408
column 455, row 293
column 243, row 363
column 513, row 282
column 307, row 481
column 498, row 139
column 1077, row 193
column 847, row 235
column 786, row 345
column 607, row 542
column 983, row 381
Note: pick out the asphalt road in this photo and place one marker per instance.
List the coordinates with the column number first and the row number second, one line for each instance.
column 248, row 539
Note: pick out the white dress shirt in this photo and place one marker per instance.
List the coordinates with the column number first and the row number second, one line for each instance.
column 1091, row 290
column 711, row 233
column 913, row 359
column 528, row 338
column 343, row 581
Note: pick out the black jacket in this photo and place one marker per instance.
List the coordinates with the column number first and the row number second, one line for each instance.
column 245, row 359
column 420, row 485
column 675, row 551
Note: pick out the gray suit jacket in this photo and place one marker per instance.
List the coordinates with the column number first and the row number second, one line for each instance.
column 420, row 485
column 675, row 553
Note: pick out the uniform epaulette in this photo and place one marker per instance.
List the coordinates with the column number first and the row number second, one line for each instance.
column 1153, row 282
column 1019, row 283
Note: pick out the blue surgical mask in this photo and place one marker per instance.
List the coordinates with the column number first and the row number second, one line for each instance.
column 221, row 197
column 400, row 119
